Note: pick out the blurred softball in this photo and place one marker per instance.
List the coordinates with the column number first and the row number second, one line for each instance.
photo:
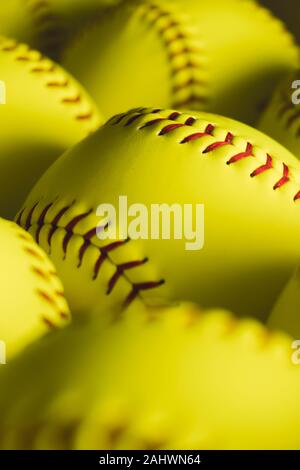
column 17, row 20
column 32, row 298
column 168, row 378
column 46, row 111
column 285, row 313
column 249, row 186
column 281, row 118
column 56, row 22
column 223, row 57
column 48, row 25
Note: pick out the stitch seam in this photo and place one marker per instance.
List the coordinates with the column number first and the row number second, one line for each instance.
column 120, row 269
column 186, row 52
column 50, row 32
column 189, row 123
column 46, row 276
column 41, row 66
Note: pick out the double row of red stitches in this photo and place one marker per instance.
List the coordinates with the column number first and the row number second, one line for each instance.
column 189, row 122
column 87, row 242
column 184, row 51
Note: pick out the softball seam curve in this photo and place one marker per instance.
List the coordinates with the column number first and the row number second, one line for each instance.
column 59, row 81
column 120, row 269
column 173, row 33
column 49, row 32
column 49, row 296
column 168, row 128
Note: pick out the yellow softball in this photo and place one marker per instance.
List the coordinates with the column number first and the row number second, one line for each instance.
column 44, row 112
column 32, row 299
column 17, row 20
column 221, row 56
column 248, row 184
column 48, row 25
column 285, row 312
column 56, row 22
column 281, row 118
column 164, row 378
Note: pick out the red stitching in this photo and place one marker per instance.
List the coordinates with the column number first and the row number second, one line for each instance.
column 33, row 252
column 40, row 221
column 49, row 69
column 87, row 241
column 284, row 179
column 49, row 323
column 57, row 84
column 174, row 115
column 104, row 251
column 216, row 145
column 267, row 166
column 121, row 268
column 72, row 100
column 194, row 97
column 153, row 122
column 210, row 148
column 39, row 272
column 29, row 216
column 170, row 128
column 84, row 117
column 137, row 288
column 132, row 119
column 45, row 296
column 297, row 196
column 54, row 83
column 45, row 275
column 241, row 155
column 198, row 135
column 190, row 121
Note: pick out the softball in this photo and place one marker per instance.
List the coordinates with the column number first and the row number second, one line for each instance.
column 46, row 111
column 281, row 118
column 221, row 57
column 135, row 236
column 244, row 179
column 17, row 19
column 57, row 22
column 32, row 299
column 169, row 378
column 285, row 313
